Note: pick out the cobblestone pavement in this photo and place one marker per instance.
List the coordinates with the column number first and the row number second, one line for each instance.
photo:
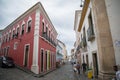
column 63, row 73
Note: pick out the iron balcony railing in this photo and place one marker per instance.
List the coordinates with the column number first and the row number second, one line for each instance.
column 83, row 43
column 48, row 38
column 90, row 33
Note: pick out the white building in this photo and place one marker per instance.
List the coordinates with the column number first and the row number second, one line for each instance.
column 77, row 54
column 64, row 51
column 59, row 55
column 88, row 42
column 99, row 36
column 113, row 12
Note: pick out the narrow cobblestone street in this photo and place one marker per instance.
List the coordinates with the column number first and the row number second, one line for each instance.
column 63, row 73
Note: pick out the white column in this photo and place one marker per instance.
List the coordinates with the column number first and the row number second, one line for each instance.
column 35, row 67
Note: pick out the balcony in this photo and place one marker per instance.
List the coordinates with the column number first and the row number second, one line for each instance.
column 78, row 48
column 83, row 43
column 48, row 38
column 90, row 34
column 44, row 35
column 16, row 35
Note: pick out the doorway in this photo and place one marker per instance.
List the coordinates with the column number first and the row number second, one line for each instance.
column 49, row 60
column 95, row 64
column 87, row 61
column 26, row 55
column 46, row 60
column 42, row 63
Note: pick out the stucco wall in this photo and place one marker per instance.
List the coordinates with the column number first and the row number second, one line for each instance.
column 113, row 11
column 91, row 45
column 22, row 40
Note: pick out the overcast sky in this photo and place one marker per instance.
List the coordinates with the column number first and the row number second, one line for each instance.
column 61, row 13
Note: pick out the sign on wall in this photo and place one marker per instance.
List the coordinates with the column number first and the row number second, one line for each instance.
column 117, row 43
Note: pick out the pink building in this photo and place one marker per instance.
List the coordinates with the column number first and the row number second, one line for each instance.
column 31, row 41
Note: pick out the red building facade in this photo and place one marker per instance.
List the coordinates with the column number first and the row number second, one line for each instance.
column 31, row 40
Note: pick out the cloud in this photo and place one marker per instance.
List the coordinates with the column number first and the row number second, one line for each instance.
column 61, row 13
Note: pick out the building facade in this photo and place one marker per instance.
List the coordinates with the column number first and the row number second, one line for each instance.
column 59, row 50
column 99, row 36
column 0, row 38
column 72, row 54
column 64, row 51
column 31, row 41
column 77, row 54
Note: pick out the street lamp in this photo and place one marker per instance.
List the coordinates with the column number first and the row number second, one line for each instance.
column 81, row 5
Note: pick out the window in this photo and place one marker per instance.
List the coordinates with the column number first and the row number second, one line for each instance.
column 84, row 38
column 29, row 25
column 90, row 31
column 13, row 35
column 6, row 37
column 90, row 20
column 90, row 23
column 9, row 36
column 42, row 27
column 17, row 32
column 22, row 31
column 51, row 37
column 49, row 34
column 46, row 30
column 84, row 33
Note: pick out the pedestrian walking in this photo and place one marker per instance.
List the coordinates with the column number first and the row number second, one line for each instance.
column 84, row 65
column 75, row 67
column 78, row 67
column 117, row 77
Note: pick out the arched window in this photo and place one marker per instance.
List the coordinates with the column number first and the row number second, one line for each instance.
column 17, row 31
column 9, row 35
column 43, row 27
column 13, row 33
column 22, row 28
column 29, row 25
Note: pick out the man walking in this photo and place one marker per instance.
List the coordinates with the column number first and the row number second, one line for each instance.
column 117, row 72
column 78, row 67
column 84, row 65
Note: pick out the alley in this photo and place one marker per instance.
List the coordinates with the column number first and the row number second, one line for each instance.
column 63, row 73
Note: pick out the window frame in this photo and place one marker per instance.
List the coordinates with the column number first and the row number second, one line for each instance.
column 27, row 27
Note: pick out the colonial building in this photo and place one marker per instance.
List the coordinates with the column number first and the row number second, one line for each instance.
column 31, row 40
column 59, row 51
column 0, row 38
column 77, row 54
column 72, row 53
column 99, row 36
column 64, row 51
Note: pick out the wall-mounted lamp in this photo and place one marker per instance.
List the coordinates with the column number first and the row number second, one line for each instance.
column 82, row 3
